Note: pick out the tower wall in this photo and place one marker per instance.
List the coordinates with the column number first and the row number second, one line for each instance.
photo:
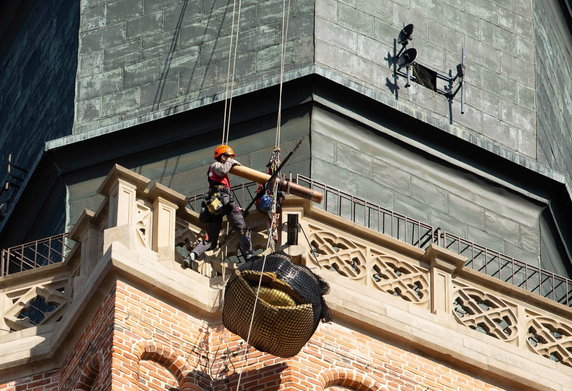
column 353, row 158
column 121, row 313
column 553, row 52
column 38, row 58
column 142, row 60
column 355, row 45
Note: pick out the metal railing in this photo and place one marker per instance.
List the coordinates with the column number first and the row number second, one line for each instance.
column 508, row 269
column 34, row 254
column 372, row 216
column 482, row 259
column 416, row 233
column 15, row 176
column 346, row 205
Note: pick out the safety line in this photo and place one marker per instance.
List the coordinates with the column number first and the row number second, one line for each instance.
column 230, row 76
column 285, row 20
column 257, row 291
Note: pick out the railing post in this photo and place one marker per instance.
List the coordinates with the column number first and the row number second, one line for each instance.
column 3, row 265
column 568, row 291
column 122, row 204
column 164, row 220
column 444, row 264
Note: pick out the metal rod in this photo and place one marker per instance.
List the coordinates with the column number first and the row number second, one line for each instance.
column 463, row 81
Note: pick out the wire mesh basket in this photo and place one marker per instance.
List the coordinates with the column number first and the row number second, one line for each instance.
column 289, row 307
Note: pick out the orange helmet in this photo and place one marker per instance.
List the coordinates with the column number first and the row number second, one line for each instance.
column 223, row 149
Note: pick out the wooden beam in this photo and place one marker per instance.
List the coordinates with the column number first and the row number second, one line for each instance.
column 283, row 185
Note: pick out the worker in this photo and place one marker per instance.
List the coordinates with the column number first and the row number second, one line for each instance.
column 218, row 203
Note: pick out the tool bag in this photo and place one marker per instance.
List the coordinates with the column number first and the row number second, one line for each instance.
column 218, row 201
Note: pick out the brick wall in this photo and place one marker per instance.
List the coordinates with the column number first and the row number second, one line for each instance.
column 150, row 332
column 153, row 376
column 343, row 356
column 137, row 341
column 167, row 347
column 47, row 381
column 88, row 364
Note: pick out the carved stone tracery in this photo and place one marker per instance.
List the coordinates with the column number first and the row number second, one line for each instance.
column 399, row 278
column 550, row 338
column 347, row 253
column 143, row 224
column 340, row 254
column 370, row 266
column 38, row 305
column 486, row 313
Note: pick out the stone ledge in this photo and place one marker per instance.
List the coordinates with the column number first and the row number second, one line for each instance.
column 43, row 347
column 400, row 322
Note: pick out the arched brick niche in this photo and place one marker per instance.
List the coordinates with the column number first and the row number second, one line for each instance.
column 346, row 379
column 159, row 367
column 89, row 373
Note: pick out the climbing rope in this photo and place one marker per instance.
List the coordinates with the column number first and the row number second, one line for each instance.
column 274, row 164
column 285, row 19
column 231, row 74
column 254, row 309
column 231, row 70
column 224, row 256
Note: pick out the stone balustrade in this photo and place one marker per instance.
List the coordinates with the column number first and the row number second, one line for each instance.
column 436, row 281
column 137, row 228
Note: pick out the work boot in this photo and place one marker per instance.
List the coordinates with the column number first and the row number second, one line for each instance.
column 188, row 261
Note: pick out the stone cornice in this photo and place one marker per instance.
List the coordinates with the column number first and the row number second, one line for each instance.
column 420, row 299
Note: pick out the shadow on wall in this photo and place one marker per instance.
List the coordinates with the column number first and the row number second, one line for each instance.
column 270, row 372
column 175, row 45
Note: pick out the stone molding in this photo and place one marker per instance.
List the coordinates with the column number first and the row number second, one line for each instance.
column 391, row 288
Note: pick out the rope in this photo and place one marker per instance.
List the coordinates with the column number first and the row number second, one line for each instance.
column 285, row 19
column 224, row 255
column 231, row 70
column 255, row 303
column 230, row 75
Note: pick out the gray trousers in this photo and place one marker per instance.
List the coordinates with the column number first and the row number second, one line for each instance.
column 214, row 225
